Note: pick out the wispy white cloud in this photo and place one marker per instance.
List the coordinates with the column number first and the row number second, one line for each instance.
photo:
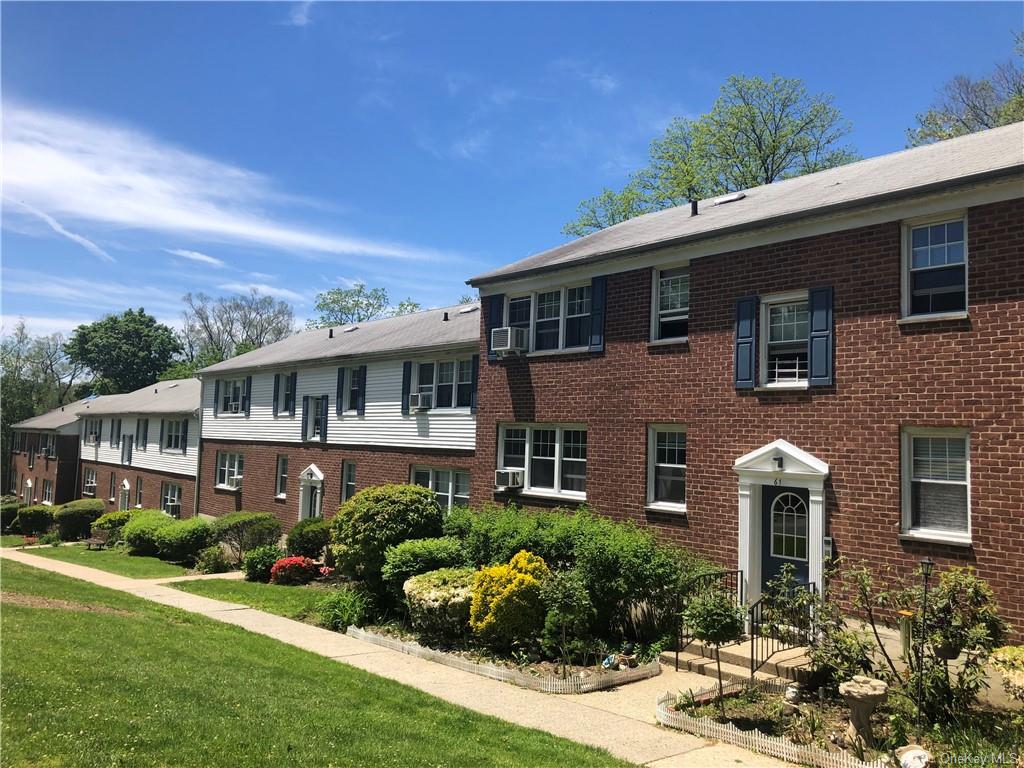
column 593, row 75
column 269, row 290
column 95, row 294
column 196, row 256
column 38, row 325
column 298, row 15
column 57, row 227
column 472, row 146
column 90, row 171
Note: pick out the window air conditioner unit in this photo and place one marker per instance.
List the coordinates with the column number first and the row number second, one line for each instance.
column 506, row 341
column 421, row 401
column 235, row 407
column 235, row 481
column 508, row 478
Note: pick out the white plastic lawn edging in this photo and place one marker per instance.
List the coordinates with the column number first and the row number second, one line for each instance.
column 569, row 685
column 754, row 740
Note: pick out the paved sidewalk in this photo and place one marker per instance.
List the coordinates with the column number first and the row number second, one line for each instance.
column 620, row 720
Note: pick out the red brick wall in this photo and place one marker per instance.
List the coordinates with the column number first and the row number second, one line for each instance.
column 967, row 374
column 374, row 466
column 151, row 482
column 59, row 470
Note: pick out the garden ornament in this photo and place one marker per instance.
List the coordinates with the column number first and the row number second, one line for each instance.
column 913, row 756
column 862, row 695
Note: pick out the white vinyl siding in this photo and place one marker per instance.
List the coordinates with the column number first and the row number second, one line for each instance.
column 553, row 457
column 936, row 476
column 382, row 424
column 146, row 452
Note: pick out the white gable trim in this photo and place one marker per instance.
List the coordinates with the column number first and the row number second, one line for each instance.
column 311, row 475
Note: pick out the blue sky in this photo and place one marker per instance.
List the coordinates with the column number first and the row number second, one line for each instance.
column 154, row 149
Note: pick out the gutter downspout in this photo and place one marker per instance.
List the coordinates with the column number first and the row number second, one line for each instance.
column 199, row 452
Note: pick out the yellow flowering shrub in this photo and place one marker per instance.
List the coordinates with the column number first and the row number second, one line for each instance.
column 507, row 606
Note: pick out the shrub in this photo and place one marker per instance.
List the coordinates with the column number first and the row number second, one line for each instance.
column 52, row 538
column 1009, row 662
column 113, row 522
column 438, row 601
column 416, row 556
column 342, row 607
column 293, row 570
column 8, row 514
column 309, row 538
column 139, row 533
column 213, row 560
column 714, row 618
column 32, row 521
column 507, row 607
column 242, row 531
column 183, row 540
column 569, row 616
column 259, row 560
column 75, row 519
column 377, row 518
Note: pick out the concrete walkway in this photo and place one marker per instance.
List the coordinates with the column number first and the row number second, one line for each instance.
column 619, row 720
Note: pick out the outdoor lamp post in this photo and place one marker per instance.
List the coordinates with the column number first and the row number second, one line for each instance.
column 927, row 565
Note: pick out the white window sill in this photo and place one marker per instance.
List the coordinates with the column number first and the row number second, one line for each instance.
column 664, row 506
column 937, row 537
column 173, row 451
column 111, row 499
column 281, row 496
column 669, row 342
column 226, row 415
column 88, row 493
column 565, row 496
column 796, row 386
column 555, row 352
column 47, row 503
column 227, row 488
column 937, row 316
column 138, row 506
column 442, row 412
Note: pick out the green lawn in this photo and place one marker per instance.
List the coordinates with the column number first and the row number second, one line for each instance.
column 12, row 540
column 107, row 679
column 112, row 560
column 291, row 602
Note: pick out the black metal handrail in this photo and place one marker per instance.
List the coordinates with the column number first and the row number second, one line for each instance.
column 730, row 582
column 776, row 624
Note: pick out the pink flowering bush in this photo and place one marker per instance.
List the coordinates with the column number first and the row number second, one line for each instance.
column 326, row 571
column 293, row 570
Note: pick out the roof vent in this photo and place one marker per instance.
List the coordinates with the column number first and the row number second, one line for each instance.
column 693, row 207
column 330, row 333
column 470, row 308
column 445, row 318
column 172, row 386
column 729, row 198
column 350, row 329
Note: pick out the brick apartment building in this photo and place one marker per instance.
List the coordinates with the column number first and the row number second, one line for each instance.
column 44, row 457
column 829, row 365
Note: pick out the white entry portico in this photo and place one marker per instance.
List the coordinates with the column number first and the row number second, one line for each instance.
column 779, row 464
column 311, row 487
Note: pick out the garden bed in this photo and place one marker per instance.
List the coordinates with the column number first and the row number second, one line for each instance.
column 598, row 679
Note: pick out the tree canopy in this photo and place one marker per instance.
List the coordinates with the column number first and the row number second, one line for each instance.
column 218, row 328
column 757, row 132
column 342, row 306
column 125, row 352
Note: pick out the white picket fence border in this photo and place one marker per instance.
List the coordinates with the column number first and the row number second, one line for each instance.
column 570, row 685
column 754, row 740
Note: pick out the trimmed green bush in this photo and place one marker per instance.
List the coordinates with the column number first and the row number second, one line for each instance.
column 139, row 533
column 212, row 560
column 342, row 607
column 309, row 538
column 113, row 522
column 75, row 519
column 416, row 556
column 381, row 517
column 8, row 514
column 507, row 606
column 259, row 560
column 183, row 540
column 242, row 531
column 33, row 521
column 439, row 601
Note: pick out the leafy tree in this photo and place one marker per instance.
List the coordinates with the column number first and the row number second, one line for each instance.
column 757, row 132
column 186, row 369
column 965, row 106
column 126, row 351
column 714, row 618
column 358, row 304
column 215, row 329
column 467, row 298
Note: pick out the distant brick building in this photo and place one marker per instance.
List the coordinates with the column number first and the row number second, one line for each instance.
column 44, row 457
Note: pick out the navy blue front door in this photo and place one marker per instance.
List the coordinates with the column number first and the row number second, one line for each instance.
column 784, row 514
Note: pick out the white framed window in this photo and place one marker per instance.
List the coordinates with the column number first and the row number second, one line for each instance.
column 88, row 481
column 666, row 467
column 141, row 434
column 286, row 394
column 450, row 486
column 115, row 433
column 316, row 414
column 447, row 383
column 126, row 449
column 784, row 330
column 48, row 444
column 934, row 281
column 92, row 431
column 229, row 470
column 353, row 377
column 556, row 319
column 173, row 432
column 936, row 475
column 47, row 491
column 670, row 304
column 553, row 457
column 789, row 527
column 113, row 488
column 170, row 499
column 232, row 392
column 31, row 459
column 281, row 486
column 138, row 491
column 348, row 480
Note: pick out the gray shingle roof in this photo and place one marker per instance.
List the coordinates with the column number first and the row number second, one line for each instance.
column 999, row 151
column 54, row 419
column 175, row 396
column 418, row 331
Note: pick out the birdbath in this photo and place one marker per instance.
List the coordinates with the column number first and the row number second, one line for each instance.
column 862, row 695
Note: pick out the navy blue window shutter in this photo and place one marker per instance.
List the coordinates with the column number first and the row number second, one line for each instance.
column 819, row 340
column 216, row 397
column 339, row 397
column 406, row 386
column 598, row 292
column 291, row 398
column 277, row 390
column 184, row 435
column 745, row 371
column 361, row 402
column 476, row 375
column 99, row 437
column 305, row 417
column 323, row 419
column 248, row 394
column 161, row 435
column 495, row 317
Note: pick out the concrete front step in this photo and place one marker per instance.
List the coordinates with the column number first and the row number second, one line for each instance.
column 788, row 664
column 702, row 665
